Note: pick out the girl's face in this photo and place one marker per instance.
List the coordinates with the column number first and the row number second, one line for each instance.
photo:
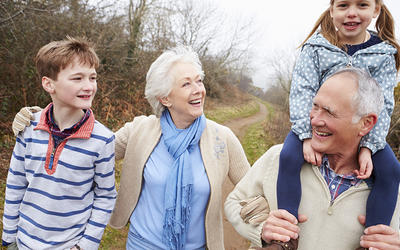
column 352, row 18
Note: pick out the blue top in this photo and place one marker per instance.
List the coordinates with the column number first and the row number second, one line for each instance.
column 318, row 60
column 146, row 222
column 70, row 204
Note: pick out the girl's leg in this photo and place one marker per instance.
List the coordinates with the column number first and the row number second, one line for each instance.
column 383, row 197
column 288, row 186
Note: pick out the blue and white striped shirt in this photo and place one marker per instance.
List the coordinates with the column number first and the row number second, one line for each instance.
column 68, row 204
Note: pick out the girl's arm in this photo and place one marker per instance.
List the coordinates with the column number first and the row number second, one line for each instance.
column 376, row 139
column 305, row 84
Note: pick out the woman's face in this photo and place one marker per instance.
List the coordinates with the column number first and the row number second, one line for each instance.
column 186, row 99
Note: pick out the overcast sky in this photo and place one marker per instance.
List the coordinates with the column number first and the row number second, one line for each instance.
column 284, row 24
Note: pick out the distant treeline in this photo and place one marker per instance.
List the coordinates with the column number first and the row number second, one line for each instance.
column 126, row 40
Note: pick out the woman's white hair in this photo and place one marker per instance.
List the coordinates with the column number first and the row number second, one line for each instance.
column 368, row 98
column 159, row 80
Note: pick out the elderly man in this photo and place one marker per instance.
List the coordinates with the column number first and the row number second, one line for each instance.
column 344, row 110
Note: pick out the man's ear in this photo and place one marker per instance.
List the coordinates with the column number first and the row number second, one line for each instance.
column 165, row 101
column 48, row 84
column 367, row 123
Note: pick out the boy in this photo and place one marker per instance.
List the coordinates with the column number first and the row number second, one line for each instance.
column 60, row 187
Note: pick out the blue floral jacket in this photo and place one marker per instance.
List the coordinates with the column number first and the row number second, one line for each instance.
column 318, row 60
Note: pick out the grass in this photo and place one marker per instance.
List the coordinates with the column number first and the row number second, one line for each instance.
column 257, row 141
column 225, row 113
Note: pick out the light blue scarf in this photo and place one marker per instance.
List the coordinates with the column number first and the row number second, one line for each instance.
column 178, row 190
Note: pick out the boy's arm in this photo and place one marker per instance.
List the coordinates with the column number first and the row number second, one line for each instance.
column 304, row 86
column 104, row 197
column 15, row 191
column 376, row 139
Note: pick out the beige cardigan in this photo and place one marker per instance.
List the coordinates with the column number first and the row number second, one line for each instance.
column 329, row 226
column 222, row 155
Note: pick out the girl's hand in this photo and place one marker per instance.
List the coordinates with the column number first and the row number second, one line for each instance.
column 365, row 162
column 310, row 155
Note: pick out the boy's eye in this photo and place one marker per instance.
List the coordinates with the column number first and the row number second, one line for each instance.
column 185, row 84
column 93, row 78
column 76, row 78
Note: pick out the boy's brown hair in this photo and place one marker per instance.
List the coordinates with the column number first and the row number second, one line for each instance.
column 56, row 55
column 384, row 26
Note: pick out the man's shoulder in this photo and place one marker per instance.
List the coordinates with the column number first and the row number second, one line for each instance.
column 273, row 152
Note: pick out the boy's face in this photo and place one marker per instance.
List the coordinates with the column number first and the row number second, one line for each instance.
column 74, row 88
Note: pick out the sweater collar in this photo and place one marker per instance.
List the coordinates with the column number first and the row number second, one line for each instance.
column 83, row 132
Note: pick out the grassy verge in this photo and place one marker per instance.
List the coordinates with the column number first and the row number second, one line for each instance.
column 225, row 113
column 257, row 141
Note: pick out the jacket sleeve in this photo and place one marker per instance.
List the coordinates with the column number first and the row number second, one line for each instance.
column 121, row 139
column 386, row 77
column 238, row 164
column 304, row 86
column 15, row 190
column 251, row 185
column 104, row 197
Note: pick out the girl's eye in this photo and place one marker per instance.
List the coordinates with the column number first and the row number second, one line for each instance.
column 185, row 84
column 93, row 78
column 76, row 78
column 199, row 81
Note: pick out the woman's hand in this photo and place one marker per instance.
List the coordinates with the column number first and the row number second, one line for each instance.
column 310, row 155
column 281, row 225
column 23, row 118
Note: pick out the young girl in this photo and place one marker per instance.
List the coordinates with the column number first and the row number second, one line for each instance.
column 343, row 40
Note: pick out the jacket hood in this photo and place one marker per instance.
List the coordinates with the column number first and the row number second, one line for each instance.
column 317, row 39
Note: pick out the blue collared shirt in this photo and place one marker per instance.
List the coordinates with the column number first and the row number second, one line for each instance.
column 338, row 183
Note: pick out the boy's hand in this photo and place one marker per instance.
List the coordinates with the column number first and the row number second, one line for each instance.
column 365, row 161
column 310, row 155
column 23, row 118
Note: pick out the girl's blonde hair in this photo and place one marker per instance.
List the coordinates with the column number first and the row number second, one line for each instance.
column 384, row 26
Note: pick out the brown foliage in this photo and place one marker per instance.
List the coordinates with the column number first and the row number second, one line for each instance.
column 393, row 137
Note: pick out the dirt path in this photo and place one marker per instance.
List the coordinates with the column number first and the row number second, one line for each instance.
column 232, row 240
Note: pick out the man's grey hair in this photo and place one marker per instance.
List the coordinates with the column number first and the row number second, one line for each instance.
column 368, row 98
column 160, row 81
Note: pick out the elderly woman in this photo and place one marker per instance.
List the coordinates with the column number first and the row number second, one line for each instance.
column 175, row 162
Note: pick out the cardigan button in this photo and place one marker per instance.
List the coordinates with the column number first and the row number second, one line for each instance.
column 330, row 211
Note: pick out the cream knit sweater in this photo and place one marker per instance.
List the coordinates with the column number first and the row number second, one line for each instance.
column 329, row 225
column 222, row 155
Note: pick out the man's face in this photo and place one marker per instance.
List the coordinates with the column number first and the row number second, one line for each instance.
column 331, row 116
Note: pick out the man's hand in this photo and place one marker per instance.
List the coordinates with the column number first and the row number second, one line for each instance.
column 379, row 237
column 281, row 225
column 365, row 162
column 23, row 118
column 310, row 155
